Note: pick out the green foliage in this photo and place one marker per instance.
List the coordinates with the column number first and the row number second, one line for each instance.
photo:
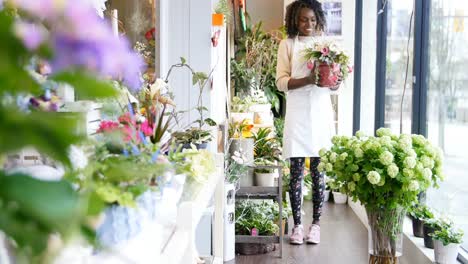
column 279, row 129
column 255, row 64
column 266, row 147
column 222, row 7
column 198, row 165
column 259, row 215
column 421, row 212
column 448, row 235
column 192, row 135
column 383, row 171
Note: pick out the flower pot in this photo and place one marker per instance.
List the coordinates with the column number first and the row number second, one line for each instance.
column 445, row 254
column 217, row 20
column 385, row 234
column 327, row 77
column 428, row 241
column 245, row 146
column 197, row 146
column 266, row 179
column 240, row 117
column 417, row 227
column 339, row 198
column 326, row 195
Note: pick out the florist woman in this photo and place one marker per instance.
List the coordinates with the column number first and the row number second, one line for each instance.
column 309, row 114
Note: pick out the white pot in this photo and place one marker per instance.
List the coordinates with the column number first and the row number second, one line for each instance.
column 339, row 198
column 239, row 117
column 260, row 108
column 445, row 254
column 326, row 195
column 266, row 179
column 263, row 118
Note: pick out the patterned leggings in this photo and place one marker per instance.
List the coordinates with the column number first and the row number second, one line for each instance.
column 295, row 187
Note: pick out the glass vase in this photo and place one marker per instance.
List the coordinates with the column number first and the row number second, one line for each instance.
column 385, row 234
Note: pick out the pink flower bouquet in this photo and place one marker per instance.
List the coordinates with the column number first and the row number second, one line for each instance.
column 328, row 62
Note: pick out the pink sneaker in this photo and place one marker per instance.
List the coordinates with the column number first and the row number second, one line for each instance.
column 313, row 237
column 297, row 237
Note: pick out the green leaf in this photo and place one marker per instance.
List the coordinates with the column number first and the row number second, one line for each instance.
column 183, row 60
column 210, row 122
column 86, row 85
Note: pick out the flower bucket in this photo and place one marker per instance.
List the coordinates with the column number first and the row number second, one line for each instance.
column 417, row 227
column 385, row 234
column 445, row 254
column 339, row 198
column 328, row 77
column 428, row 241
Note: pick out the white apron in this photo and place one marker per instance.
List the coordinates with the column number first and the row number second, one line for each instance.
column 309, row 114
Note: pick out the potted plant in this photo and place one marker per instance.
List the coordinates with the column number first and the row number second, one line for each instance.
column 255, row 218
column 328, row 62
column 222, row 13
column 267, row 153
column 446, row 244
column 241, row 141
column 385, row 173
column 326, row 193
column 200, row 135
column 336, row 187
column 240, row 110
column 430, row 226
column 261, row 108
column 419, row 214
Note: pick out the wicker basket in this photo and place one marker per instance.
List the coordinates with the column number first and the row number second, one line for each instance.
column 253, row 248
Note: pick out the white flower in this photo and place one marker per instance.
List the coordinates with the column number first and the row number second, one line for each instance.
column 351, row 186
column 373, row 177
column 78, row 158
column 336, row 140
column 333, row 156
column 411, row 153
column 419, row 139
column 381, row 182
column 386, row 158
column 358, row 153
column 343, row 156
column 408, row 173
column 237, row 159
column 360, row 134
column 329, row 167
column 426, row 162
column 427, row 174
column 409, row 162
column 386, row 141
column 405, row 140
column 383, row 132
column 356, row 176
column 321, row 166
column 237, row 153
column 392, row 170
column 413, row 186
column 322, row 152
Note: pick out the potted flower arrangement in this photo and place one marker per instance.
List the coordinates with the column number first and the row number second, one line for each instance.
column 430, row 226
column 419, row 214
column 447, row 241
column 267, row 153
column 385, row 173
column 328, row 63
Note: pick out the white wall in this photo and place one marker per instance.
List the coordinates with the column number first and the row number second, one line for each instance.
column 186, row 31
column 268, row 11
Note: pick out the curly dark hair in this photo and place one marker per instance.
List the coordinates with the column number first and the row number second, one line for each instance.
column 292, row 15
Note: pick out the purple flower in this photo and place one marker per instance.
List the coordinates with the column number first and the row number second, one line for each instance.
column 31, row 34
column 79, row 37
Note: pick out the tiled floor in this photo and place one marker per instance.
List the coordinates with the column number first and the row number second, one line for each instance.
column 344, row 240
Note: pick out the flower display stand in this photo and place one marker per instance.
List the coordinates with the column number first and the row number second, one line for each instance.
column 259, row 192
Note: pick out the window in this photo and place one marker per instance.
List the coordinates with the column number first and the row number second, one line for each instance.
column 447, row 106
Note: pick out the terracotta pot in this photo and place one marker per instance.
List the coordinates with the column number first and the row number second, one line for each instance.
column 217, row 20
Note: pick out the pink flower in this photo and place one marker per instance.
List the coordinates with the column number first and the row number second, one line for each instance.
column 350, row 69
column 333, row 78
column 107, row 126
column 310, row 65
column 146, row 129
column 325, row 51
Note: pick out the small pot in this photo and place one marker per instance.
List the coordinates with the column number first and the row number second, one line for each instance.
column 417, row 227
column 340, row 198
column 445, row 254
column 266, row 179
column 217, row 20
column 428, row 241
column 326, row 195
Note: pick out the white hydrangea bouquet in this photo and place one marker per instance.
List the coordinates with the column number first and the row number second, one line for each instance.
column 386, row 170
column 385, row 173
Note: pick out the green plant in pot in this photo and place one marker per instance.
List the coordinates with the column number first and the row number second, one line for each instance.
column 200, row 134
column 385, row 173
column 419, row 214
column 267, row 153
column 447, row 242
column 430, row 226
